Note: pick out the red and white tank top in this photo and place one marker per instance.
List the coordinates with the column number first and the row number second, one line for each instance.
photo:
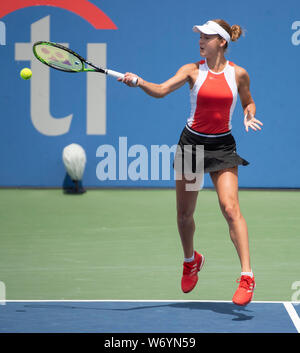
column 213, row 99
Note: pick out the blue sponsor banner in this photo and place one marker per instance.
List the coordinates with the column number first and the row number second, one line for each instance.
column 121, row 128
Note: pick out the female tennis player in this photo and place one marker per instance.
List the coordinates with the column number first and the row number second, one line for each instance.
column 214, row 84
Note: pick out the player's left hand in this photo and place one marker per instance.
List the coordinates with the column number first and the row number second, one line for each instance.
column 252, row 122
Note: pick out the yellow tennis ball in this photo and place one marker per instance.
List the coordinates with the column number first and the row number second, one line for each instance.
column 26, row 73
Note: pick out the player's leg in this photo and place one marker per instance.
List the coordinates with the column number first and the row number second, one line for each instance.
column 186, row 204
column 226, row 184
column 193, row 262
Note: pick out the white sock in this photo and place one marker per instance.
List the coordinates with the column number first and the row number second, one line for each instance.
column 190, row 259
column 247, row 274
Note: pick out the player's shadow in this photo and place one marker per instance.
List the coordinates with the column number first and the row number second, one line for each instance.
column 239, row 313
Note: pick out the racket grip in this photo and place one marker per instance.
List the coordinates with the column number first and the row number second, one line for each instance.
column 119, row 75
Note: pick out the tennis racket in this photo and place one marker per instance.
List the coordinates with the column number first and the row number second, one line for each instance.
column 61, row 58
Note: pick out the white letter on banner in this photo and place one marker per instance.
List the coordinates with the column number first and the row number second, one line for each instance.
column 41, row 117
column 2, row 33
column 96, row 91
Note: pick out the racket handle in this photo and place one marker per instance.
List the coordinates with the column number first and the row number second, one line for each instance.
column 119, row 75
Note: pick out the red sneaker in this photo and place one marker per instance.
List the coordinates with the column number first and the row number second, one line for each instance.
column 190, row 273
column 244, row 293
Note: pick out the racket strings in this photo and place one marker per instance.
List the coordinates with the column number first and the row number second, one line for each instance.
column 58, row 58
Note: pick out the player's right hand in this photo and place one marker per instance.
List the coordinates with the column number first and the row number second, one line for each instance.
column 128, row 77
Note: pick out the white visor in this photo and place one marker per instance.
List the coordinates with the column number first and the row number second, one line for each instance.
column 212, row 27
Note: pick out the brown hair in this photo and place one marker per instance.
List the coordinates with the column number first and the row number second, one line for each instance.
column 235, row 31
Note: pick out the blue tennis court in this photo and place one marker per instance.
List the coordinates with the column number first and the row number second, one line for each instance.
column 148, row 316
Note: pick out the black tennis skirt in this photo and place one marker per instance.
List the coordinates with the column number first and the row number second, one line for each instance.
column 219, row 152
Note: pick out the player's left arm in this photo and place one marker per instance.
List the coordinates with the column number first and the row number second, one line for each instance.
column 248, row 104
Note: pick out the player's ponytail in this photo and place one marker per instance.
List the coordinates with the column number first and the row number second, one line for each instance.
column 235, row 31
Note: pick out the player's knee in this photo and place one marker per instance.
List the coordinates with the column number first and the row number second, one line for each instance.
column 231, row 211
column 184, row 217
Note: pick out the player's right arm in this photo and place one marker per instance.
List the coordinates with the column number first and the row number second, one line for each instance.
column 183, row 75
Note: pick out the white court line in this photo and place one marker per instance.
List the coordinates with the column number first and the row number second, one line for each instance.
column 137, row 301
column 293, row 315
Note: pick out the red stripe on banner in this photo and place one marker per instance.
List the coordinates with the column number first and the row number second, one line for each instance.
column 82, row 8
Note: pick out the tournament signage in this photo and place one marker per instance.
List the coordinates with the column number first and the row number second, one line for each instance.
column 130, row 138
